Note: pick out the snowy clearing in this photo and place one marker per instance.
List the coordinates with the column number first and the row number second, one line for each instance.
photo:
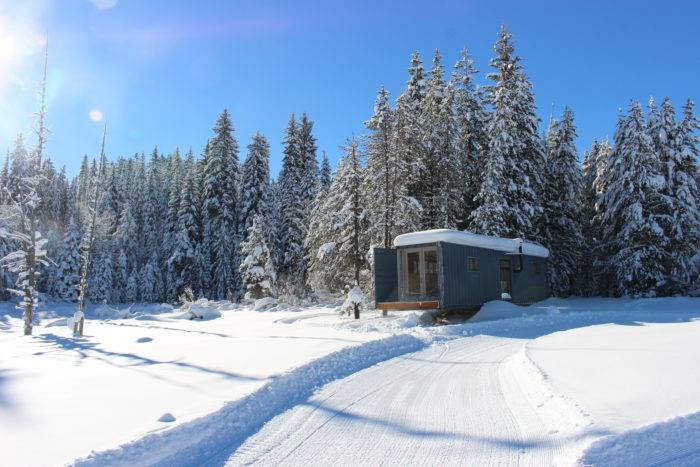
column 561, row 382
column 113, row 385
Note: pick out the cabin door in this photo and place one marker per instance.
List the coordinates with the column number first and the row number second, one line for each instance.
column 421, row 274
column 504, row 268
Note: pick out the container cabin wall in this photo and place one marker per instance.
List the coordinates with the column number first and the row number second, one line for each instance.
column 465, row 289
column 386, row 288
column 530, row 285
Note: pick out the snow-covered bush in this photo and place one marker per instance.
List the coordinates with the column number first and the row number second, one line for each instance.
column 355, row 302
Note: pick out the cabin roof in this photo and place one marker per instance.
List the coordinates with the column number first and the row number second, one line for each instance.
column 508, row 245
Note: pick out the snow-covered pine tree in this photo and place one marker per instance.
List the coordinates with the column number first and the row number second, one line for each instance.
column 255, row 181
column 408, row 126
column 507, row 202
column 220, row 209
column 67, row 271
column 297, row 191
column 632, row 234
column 390, row 210
column 440, row 179
column 680, row 164
column 257, row 274
column 340, row 261
column 184, row 261
column 324, row 177
column 562, row 207
column 471, row 141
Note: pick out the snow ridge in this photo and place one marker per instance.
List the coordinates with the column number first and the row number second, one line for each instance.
column 221, row 432
column 675, row 441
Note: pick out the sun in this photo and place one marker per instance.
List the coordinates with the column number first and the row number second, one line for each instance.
column 16, row 48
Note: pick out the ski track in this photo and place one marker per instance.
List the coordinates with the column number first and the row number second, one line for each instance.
column 467, row 400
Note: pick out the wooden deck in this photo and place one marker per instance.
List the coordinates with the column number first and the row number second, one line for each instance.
column 429, row 305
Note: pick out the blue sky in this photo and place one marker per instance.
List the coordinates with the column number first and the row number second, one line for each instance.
column 160, row 72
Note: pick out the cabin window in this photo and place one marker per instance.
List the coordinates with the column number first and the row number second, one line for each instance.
column 473, row 264
column 504, row 268
column 537, row 268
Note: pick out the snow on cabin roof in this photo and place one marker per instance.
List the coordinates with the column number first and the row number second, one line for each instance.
column 508, row 245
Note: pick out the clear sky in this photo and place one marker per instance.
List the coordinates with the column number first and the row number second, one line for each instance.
column 160, row 72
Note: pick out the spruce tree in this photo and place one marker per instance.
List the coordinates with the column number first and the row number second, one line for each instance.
column 67, row 272
column 562, row 214
column 257, row 273
column 255, row 181
column 220, row 209
column 507, row 204
column 471, row 140
column 391, row 211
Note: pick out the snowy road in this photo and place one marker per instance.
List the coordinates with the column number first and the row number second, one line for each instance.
column 463, row 401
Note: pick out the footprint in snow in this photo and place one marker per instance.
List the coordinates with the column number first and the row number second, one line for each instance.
column 166, row 418
column 141, row 340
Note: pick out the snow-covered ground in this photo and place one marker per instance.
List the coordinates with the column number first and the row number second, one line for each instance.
column 595, row 381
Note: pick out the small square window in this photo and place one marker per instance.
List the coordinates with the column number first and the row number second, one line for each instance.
column 473, row 264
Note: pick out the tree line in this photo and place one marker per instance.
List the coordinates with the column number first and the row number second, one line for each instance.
column 446, row 153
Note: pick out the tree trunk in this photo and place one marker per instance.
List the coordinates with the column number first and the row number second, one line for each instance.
column 357, row 310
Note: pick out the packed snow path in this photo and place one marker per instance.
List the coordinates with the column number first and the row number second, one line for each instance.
column 460, row 401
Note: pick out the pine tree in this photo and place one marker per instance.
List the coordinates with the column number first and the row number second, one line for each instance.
column 67, row 272
column 340, row 261
column 325, row 173
column 562, row 214
column 507, row 202
column 255, row 181
column 632, row 235
column 184, row 261
column 257, row 273
column 408, row 126
column 220, row 209
column 293, row 206
column 680, row 164
column 439, row 191
column 471, row 141
column 391, row 211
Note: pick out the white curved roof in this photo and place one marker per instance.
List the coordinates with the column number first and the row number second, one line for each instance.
column 508, row 245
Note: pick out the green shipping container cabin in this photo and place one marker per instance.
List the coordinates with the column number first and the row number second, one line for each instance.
column 451, row 270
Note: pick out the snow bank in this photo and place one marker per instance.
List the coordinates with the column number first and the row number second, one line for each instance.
column 508, row 245
column 197, row 311
column 220, row 433
column 672, row 442
column 499, row 309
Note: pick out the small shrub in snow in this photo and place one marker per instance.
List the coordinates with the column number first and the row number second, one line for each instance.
column 354, row 302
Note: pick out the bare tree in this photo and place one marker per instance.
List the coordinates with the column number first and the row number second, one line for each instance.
column 22, row 215
column 88, row 246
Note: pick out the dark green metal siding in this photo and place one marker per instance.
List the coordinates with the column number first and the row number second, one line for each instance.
column 385, row 275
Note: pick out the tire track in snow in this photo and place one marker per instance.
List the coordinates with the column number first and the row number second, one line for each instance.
column 207, row 437
column 442, row 405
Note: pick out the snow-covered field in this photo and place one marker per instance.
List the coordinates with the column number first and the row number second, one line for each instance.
column 597, row 381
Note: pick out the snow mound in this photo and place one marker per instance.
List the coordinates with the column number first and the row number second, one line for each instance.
column 197, row 311
column 671, row 442
column 220, row 433
column 166, row 418
column 57, row 322
column 265, row 303
column 499, row 309
column 410, row 321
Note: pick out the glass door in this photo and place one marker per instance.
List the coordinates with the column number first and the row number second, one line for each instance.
column 413, row 276
column 420, row 274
